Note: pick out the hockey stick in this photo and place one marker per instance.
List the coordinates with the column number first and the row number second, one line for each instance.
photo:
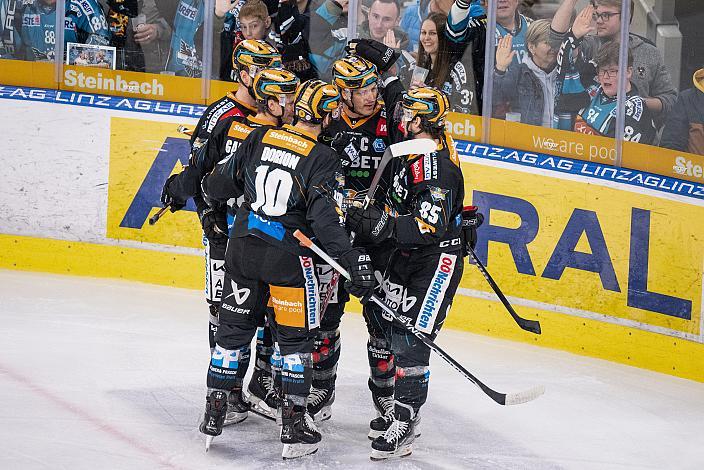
column 529, row 325
column 399, row 149
column 155, row 218
column 500, row 398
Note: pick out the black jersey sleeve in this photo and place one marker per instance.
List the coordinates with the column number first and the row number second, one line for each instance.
column 435, row 195
column 392, row 93
column 203, row 158
column 226, row 181
column 324, row 214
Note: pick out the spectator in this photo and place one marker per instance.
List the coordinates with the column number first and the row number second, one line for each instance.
column 186, row 38
column 382, row 24
column 151, row 35
column 597, row 115
column 329, row 29
column 85, row 24
column 529, row 87
column 466, row 34
column 684, row 128
column 651, row 78
column 510, row 21
column 446, row 71
column 414, row 16
column 252, row 22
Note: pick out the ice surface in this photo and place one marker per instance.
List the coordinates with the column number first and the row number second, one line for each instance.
column 99, row 374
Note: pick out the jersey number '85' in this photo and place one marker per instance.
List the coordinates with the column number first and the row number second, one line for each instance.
column 273, row 190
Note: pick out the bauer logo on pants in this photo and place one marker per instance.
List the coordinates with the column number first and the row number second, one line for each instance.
column 436, row 293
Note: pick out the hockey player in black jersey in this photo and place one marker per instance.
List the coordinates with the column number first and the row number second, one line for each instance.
column 423, row 218
column 359, row 136
column 250, row 56
column 274, row 90
column 288, row 181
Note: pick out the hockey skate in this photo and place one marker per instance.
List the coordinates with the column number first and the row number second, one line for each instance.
column 320, row 402
column 299, row 434
column 215, row 410
column 378, row 426
column 237, row 408
column 397, row 441
column 263, row 399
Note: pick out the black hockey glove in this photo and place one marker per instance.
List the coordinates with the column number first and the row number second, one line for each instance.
column 168, row 199
column 214, row 224
column 471, row 221
column 372, row 224
column 359, row 265
column 375, row 52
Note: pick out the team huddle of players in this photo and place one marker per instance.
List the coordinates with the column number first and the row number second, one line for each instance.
column 278, row 156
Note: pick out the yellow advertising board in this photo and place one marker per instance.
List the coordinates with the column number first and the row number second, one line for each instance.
column 142, row 156
column 590, row 249
column 151, row 86
column 29, row 74
column 682, row 165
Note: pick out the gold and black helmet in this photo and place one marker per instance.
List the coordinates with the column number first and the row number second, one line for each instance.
column 429, row 103
column 274, row 83
column 253, row 55
column 315, row 99
column 354, row 72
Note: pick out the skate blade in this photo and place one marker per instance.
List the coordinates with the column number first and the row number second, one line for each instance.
column 264, row 412
column 234, row 418
column 208, row 441
column 294, row 451
column 403, row 451
column 323, row 415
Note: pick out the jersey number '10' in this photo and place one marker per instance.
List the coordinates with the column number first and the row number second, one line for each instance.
column 273, row 190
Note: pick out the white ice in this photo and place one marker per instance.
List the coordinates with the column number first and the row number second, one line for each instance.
column 100, row 374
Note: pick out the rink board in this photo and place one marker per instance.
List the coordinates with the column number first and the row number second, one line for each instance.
column 610, row 263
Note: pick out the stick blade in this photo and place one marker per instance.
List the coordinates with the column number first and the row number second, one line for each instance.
column 415, row 146
column 532, row 326
column 525, row 396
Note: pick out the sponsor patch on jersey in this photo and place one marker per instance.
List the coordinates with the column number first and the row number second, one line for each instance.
column 187, row 11
column 417, row 170
column 31, row 20
column 438, row 194
column 352, row 151
column 312, row 293
column 379, row 145
column 381, row 129
column 430, row 166
column 85, row 6
column 436, row 293
column 239, row 131
column 289, row 141
column 634, row 108
column 459, row 74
